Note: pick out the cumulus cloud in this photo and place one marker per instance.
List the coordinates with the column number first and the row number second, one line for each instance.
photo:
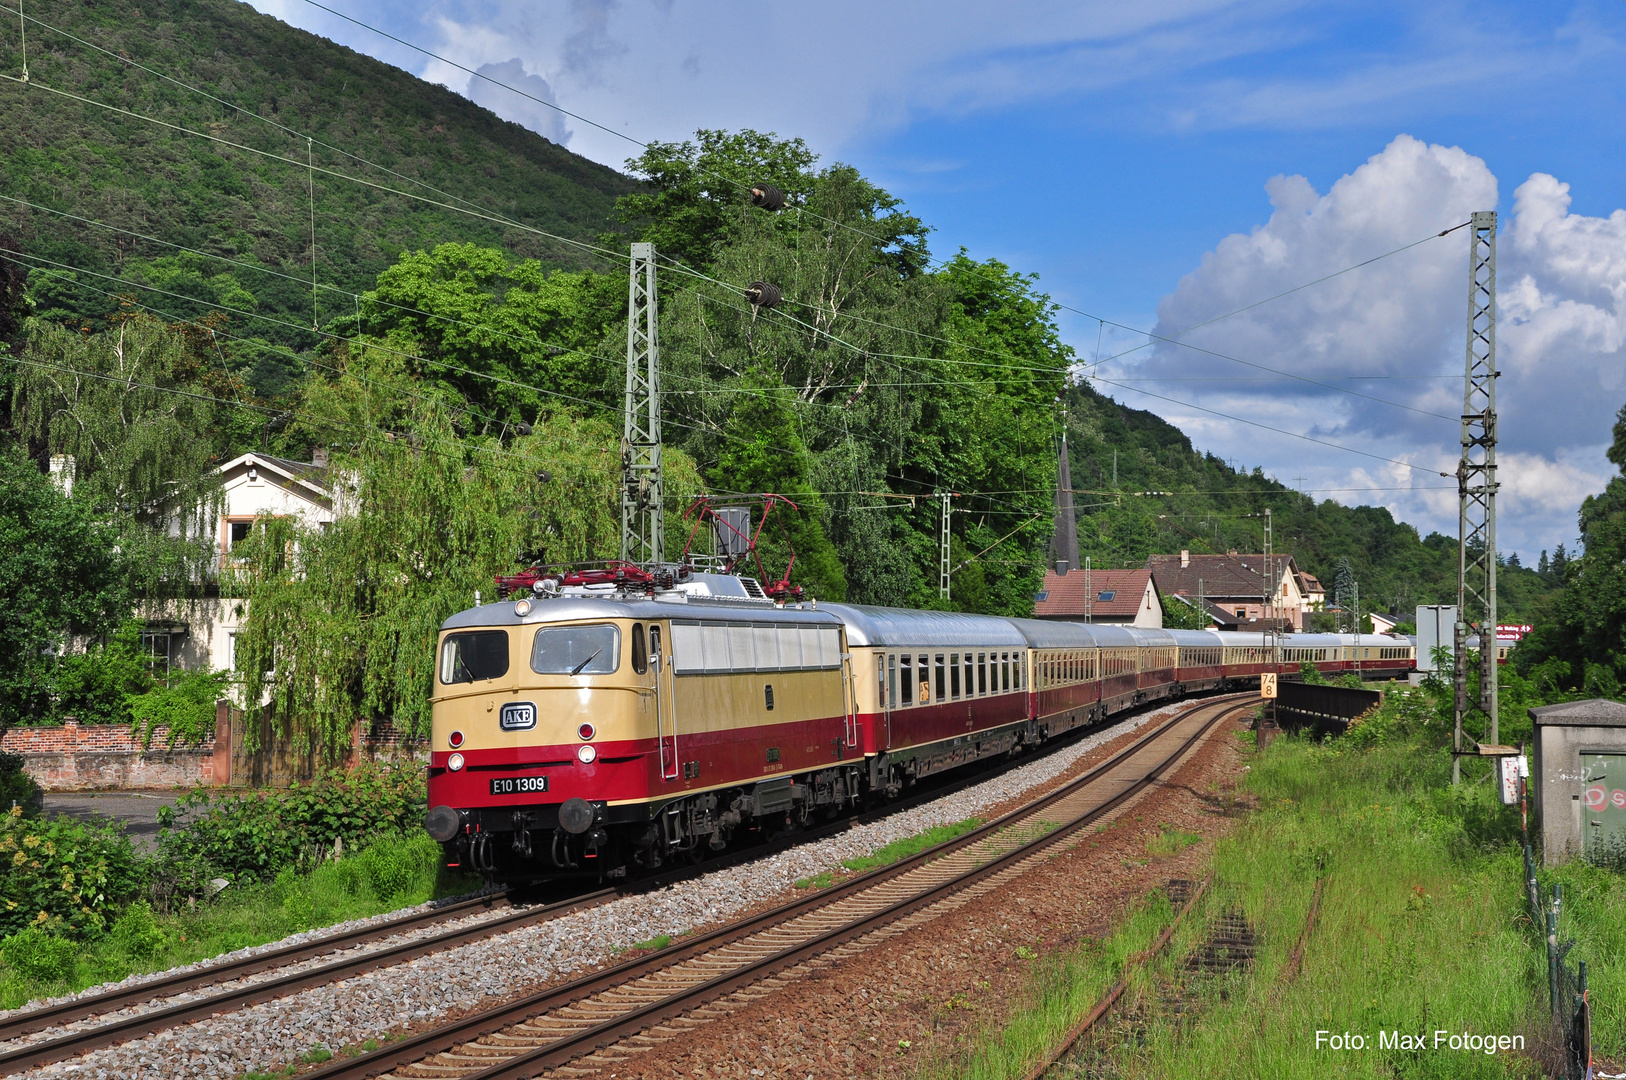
column 1382, row 345
column 527, row 110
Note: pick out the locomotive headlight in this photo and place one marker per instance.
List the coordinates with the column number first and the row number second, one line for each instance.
column 585, row 731
column 523, row 608
column 586, row 754
column 455, row 739
column 455, row 762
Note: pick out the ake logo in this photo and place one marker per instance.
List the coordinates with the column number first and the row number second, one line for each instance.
column 518, row 716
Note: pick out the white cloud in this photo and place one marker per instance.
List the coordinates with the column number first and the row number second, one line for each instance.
column 1386, row 329
column 549, row 123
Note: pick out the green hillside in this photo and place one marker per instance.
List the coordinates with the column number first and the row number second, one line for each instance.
column 757, row 404
column 1214, row 508
column 70, row 156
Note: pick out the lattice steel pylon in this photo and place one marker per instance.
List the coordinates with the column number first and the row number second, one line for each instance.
column 943, row 547
column 643, row 525
column 1476, row 483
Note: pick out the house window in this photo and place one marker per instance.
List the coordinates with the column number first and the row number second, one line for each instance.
column 160, row 646
column 1242, row 613
column 1107, row 596
column 240, row 531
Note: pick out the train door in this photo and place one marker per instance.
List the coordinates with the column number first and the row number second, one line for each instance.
column 849, row 682
column 886, row 690
column 661, row 662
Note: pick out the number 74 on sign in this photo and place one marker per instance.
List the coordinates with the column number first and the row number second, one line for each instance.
column 1267, row 685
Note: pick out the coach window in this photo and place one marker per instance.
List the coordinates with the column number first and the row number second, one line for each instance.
column 954, row 675
column 892, row 681
column 923, row 678
column 640, row 658
column 982, row 673
column 942, row 678
column 906, row 674
column 1004, row 672
column 970, row 673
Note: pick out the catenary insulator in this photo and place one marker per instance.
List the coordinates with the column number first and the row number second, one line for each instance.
column 762, row 294
column 768, row 197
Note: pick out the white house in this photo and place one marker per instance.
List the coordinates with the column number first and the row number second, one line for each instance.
column 201, row 632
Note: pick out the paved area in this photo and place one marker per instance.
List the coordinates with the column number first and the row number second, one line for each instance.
column 137, row 809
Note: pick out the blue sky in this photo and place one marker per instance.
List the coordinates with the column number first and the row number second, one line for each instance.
column 1139, row 158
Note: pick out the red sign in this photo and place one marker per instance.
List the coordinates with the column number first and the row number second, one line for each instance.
column 1514, row 631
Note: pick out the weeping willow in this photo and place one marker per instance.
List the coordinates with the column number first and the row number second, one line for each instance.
column 341, row 621
column 139, row 411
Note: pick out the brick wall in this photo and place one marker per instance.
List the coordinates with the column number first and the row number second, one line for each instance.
column 97, row 757
column 77, row 757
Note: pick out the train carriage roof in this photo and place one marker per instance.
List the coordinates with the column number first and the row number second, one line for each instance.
column 1059, row 634
column 1311, row 641
column 1195, row 639
column 581, row 608
column 867, row 626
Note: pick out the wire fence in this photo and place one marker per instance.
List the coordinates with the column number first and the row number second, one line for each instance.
column 1566, row 987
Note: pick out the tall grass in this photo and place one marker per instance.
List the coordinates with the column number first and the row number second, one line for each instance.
column 392, row 873
column 1422, row 928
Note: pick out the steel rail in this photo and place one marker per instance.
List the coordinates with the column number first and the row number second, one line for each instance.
column 108, row 1001
column 1110, row 998
column 528, row 1062
column 74, row 1043
column 45, row 1052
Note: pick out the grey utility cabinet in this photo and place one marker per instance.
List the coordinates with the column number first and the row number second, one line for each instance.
column 1580, row 780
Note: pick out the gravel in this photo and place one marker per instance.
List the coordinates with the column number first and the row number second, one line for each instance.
column 483, row 972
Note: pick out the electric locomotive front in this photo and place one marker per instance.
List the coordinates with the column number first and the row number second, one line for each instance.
column 541, row 720
column 594, row 734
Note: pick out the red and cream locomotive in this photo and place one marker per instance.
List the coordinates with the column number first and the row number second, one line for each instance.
column 603, row 726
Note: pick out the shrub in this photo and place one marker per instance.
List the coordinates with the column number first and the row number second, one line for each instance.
column 95, row 686
column 35, row 954
column 250, row 837
column 184, row 703
column 17, row 787
column 395, row 865
column 138, row 932
column 63, row 875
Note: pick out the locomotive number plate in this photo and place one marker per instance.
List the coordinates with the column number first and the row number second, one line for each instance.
column 518, row 785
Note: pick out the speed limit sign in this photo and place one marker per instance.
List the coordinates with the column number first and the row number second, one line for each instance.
column 1267, row 684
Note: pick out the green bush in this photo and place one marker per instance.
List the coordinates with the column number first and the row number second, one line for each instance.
column 95, row 686
column 184, row 703
column 64, row 876
column 391, row 867
column 38, row 955
column 138, row 932
column 250, row 837
column 17, row 788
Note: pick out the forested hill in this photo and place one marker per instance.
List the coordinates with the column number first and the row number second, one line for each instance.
column 136, row 175
column 1215, row 507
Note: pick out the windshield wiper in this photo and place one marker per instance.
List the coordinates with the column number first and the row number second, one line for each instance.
column 577, row 670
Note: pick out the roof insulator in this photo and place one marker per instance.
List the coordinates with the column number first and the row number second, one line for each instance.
column 767, row 196
column 763, row 295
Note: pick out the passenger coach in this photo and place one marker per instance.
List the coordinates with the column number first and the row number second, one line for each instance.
column 617, row 728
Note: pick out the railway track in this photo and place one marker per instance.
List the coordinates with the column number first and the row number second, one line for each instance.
column 123, row 1028
column 644, row 1002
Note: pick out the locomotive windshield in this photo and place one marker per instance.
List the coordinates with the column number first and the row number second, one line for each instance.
column 576, row 650
column 482, row 654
